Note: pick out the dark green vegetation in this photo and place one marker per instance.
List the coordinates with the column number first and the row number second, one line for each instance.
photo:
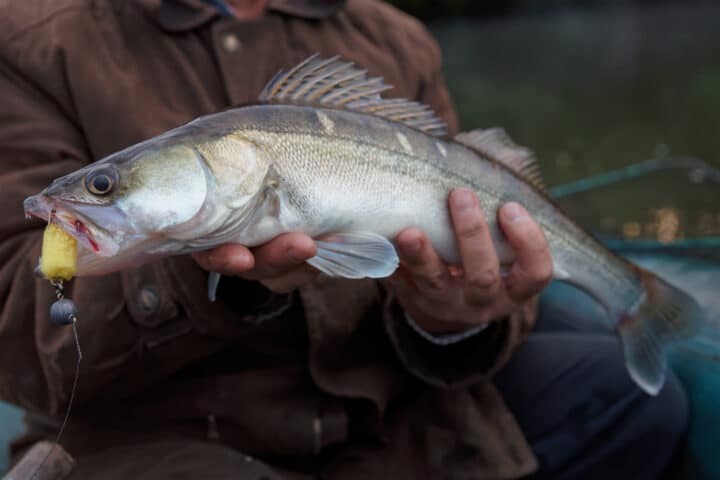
column 596, row 89
column 432, row 9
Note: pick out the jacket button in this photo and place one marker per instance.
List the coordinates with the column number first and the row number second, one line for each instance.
column 149, row 300
column 230, row 42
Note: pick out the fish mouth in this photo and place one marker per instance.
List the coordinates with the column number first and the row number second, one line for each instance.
column 89, row 236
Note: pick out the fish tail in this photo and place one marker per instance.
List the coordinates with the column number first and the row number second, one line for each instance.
column 664, row 317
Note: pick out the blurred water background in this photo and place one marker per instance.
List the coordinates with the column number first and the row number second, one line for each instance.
column 593, row 87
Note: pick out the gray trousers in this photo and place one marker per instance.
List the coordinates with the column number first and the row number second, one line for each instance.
column 580, row 411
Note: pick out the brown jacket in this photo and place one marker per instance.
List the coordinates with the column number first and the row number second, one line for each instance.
column 339, row 371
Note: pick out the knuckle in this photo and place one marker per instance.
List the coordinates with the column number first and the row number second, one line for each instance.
column 482, row 280
column 535, row 241
column 482, row 287
column 446, row 315
column 434, row 282
column 471, row 229
column 476, row 298
column 524, row 286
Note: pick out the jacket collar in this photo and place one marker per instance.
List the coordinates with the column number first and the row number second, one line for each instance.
column 183, row 15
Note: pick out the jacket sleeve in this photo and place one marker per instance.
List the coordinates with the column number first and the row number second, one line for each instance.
column 134, row 327
column 482, row 354
column 462, row 363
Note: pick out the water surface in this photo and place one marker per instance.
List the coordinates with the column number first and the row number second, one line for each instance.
column 597, row 89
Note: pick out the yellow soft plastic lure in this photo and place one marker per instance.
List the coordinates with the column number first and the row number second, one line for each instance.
column 58, row 260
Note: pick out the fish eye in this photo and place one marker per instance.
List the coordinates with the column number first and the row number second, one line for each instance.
column 101, row 182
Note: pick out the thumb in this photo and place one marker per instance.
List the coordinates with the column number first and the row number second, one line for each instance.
column 533, row 267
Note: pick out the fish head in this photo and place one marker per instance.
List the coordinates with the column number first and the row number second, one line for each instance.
column 120, row 209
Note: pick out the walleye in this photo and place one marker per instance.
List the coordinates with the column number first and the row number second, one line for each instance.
column 323, row 153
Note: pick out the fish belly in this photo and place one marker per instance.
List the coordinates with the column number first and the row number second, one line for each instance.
column 363, row 188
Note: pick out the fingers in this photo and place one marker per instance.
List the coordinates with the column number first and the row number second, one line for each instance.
column 281, row 255
column 230, row 259
column 533, row 267
column 291, row 280
column 286, row 254
column 427, row 271
column 477, row 252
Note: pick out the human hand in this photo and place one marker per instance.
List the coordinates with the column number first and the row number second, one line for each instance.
column 444, row 299
column 279, row 264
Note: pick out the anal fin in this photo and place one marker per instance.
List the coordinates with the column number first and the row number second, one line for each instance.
column 664, row 317
column 645, row 359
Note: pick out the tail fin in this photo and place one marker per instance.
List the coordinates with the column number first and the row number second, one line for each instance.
column 666, row 317
column 706, row 342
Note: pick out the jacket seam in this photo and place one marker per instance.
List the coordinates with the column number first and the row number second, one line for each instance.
column 40, row 23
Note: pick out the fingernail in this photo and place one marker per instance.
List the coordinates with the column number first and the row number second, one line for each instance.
column 412, row 247
column 513, row 212
column 293, row 255
column 297, row 255
column 236, row 261
column 462, row 199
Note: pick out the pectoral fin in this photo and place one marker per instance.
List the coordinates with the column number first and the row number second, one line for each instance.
column 356, row 255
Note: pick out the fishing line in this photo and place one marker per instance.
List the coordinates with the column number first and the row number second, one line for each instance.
column 63, row 312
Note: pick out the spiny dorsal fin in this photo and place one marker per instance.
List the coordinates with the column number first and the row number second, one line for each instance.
column 496, row 144
column 335, row 83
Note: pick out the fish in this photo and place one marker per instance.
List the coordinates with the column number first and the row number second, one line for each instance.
column 322, row 152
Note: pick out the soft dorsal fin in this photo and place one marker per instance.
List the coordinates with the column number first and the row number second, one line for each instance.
column 336, row 83
column 497, row 145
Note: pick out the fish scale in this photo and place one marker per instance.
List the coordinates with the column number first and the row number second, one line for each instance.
column 358, row 154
